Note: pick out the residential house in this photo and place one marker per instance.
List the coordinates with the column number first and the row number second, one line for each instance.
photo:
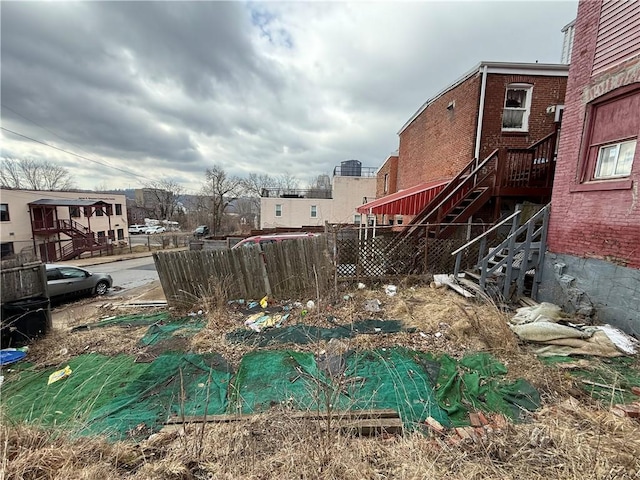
column 500, row 117
column 593, row 259
column 60, row 225
column 333, row 202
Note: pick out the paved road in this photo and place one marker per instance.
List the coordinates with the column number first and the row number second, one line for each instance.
column 128, row 274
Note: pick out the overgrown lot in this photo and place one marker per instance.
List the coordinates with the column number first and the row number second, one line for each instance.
column 573, row 434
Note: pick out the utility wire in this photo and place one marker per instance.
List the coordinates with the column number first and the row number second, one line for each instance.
column 76, row 155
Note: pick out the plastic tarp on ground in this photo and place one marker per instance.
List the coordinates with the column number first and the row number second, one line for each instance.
column 302, row 334
column 608, row 380
column 117, row 397
column 415, row 384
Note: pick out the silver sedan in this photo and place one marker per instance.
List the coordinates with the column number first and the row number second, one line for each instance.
column 64, row 280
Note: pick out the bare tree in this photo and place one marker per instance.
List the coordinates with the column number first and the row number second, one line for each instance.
column 286, row 181
column 254, row 187
column 163, row 196
column 222, row 189
column 34, row 175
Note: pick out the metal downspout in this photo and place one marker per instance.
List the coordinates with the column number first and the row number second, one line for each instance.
column 483, row 91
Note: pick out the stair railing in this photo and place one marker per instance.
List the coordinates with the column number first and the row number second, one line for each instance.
column 482, row 238
column 454, row 191
column 533, row 234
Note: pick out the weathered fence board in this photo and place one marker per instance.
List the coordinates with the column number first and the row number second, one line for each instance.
column 282, row 269
column 23, row 277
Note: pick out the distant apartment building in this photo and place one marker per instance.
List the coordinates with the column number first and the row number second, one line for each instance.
column 60, row 225
column 333, row 201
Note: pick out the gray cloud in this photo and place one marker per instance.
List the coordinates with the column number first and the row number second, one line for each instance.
column 167, row 89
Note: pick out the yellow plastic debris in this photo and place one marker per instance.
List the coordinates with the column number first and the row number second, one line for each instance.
column 59, row 375
column 263, row 302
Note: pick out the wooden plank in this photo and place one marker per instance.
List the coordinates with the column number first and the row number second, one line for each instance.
column 307, row 415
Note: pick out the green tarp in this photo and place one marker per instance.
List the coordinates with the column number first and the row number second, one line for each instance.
column 302, row 334
column 607, row 379
column 113, row 396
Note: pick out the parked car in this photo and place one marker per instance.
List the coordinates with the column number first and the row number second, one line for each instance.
column 65, row 280
column 201, row 231
column 155, row 229
column 272, row 238
column 137, row 229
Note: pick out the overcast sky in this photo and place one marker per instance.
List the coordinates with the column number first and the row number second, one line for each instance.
column 165, row 90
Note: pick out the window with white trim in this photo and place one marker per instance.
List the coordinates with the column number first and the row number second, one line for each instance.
column 517, row 107
column 386, row 182
column 314, row 211
column 357, row 218
column 615, row 160
column 4, row 212
column 278, row 210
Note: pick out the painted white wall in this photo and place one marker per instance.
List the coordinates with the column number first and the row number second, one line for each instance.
column 18, row 228
column 348, row 194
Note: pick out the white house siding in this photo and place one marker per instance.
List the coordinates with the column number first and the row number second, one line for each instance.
column 18, row 229
column 348, row 193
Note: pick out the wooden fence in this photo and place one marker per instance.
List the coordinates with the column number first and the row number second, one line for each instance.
column 23, row 277
column 282, row 270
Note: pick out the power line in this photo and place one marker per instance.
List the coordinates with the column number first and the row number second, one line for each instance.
column 76, row 155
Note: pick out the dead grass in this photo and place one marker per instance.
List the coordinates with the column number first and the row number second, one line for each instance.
column 566, row 440
column 571, row 437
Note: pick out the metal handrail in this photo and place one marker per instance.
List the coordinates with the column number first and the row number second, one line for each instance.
column 481, row 236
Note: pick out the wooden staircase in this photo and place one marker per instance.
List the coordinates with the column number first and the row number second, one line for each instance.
column 507, row 172
column 513, row 266
column 82, row 239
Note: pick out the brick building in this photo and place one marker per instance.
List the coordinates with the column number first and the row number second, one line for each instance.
column 593, row 259
column 493, row 106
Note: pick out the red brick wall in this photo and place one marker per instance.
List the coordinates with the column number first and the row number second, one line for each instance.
column 599, row 223
column 439, row 142
column 390, row 167
column 547, row 91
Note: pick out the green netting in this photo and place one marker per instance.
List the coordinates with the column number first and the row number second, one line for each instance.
column 174, row 384
column 302, row 334
column 394, row 378
column 128, row 320
column 158, row 333
column 268, row 378
column 96, row 381
column 119, row 398
column 474, row 383
column 373, row 380
column 113, row 396
column 614, row 377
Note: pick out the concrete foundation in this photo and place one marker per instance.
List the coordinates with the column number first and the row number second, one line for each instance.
column 608, row 292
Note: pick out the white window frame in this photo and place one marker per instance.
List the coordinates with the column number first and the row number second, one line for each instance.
column 278, row 210
column 357, row 219
column 386, row 182
column 527, row 107
column 314, row 211
column 617, row 146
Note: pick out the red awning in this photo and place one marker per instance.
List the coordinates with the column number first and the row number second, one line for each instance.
column 405, row 202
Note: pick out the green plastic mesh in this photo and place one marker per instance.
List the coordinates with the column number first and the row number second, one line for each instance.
column 127, row 320
column 302, row 334
column 160, row 332
column 117, row 397
column 372, row 380
column 609, row 379
column 96, row 381
column 476, row 383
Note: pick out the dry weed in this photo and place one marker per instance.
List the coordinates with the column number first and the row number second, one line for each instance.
column 567, row 440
